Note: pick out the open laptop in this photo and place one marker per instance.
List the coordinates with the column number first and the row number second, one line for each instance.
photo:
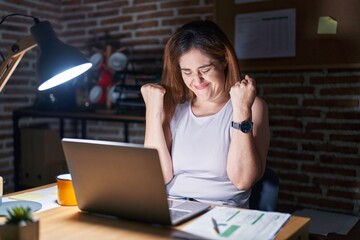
column 123, row 180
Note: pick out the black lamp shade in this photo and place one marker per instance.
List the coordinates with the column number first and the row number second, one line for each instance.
column 57, row 62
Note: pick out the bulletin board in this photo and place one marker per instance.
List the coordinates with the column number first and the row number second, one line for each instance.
column 313, row 50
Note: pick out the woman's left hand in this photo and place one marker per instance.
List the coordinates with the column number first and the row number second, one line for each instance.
column 243, row 94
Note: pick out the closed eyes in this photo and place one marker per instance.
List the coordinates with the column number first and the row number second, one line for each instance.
column 201, row 70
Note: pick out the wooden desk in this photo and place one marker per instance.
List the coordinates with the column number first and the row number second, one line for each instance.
column 70, row 223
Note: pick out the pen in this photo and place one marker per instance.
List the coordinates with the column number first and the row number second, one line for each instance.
column 215, row 225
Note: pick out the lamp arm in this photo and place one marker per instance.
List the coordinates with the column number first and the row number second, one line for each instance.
column 17, row 51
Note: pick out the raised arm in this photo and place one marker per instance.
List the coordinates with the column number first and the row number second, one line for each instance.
column 153, row 95
column 248, row 151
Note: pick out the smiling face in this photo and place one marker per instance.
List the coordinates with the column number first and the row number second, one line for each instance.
column 202, row 75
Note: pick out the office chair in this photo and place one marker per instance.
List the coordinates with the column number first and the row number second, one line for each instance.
column 264, row 193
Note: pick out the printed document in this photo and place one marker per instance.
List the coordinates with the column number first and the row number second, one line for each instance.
column 235, row 223
column 269, row 34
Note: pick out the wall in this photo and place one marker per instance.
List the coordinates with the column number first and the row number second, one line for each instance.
column 315, row 126
column 314, row 115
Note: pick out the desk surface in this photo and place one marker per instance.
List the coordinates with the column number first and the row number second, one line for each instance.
column 70, row 223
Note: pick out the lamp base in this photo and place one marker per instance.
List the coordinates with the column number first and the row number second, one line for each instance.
column 34, row 206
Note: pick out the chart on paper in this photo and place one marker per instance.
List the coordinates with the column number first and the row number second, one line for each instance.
column 234, row 223
column 265, row 34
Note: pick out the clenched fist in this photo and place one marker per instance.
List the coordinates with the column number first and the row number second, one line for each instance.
column 153, row 95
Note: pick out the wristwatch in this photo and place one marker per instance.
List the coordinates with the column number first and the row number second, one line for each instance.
column 245, row 126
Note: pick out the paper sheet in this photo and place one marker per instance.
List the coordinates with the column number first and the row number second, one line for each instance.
column 323, row 223
column 267, row 34
column 47, row 197
column 327, row 25
column 234, row 223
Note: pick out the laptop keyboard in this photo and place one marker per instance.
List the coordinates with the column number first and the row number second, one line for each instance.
column 176, row 214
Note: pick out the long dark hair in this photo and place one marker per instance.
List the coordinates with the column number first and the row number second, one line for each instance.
column 208, row 38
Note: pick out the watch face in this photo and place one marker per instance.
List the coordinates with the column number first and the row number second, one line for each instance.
column 246, row 126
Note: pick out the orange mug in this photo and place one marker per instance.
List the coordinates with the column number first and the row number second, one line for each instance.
column 66, row 195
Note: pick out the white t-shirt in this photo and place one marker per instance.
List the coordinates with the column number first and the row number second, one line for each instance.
column 199, row 152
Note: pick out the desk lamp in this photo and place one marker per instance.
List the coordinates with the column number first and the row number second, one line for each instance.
column 57, row 63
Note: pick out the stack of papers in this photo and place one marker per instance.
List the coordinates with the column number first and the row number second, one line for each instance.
column 235, row 223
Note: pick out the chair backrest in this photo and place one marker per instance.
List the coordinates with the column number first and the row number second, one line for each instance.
column 264, row 194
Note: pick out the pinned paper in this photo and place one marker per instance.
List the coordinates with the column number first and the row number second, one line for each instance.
column 327, row 25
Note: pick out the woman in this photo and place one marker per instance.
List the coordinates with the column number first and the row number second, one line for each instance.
column 193, row 119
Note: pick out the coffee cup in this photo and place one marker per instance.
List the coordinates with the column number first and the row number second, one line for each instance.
column 65, row 194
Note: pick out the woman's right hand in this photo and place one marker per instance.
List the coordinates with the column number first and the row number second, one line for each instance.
column 153, row 95
column 155, row 136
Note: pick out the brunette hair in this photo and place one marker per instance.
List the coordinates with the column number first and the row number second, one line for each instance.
column 208, row 38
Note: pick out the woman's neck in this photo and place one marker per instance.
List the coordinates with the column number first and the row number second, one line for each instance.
column 206, row 108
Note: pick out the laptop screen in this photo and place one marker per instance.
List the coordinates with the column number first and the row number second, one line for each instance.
column 118, row 179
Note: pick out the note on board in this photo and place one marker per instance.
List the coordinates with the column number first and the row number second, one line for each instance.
column 327, row 25
column 267, row 34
